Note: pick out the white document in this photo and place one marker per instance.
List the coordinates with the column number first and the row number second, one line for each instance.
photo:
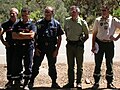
column 97, row 47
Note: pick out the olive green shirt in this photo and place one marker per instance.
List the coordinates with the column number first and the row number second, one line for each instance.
column 73, row 29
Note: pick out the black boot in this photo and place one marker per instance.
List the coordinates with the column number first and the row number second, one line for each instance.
column 17, row 84
column 69, row 85
column 110, row 86
column 25, row 86
column 9, row 84
column 95, row 86
column 31, row 84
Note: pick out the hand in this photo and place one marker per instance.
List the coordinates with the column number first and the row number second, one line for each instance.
column 27, row 30
column 6, row 44
column 55, row 53
column 113, row 38
column 93, row 49
column 37, row 52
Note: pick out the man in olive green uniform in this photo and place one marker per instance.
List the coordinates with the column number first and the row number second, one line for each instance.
column 76, row 30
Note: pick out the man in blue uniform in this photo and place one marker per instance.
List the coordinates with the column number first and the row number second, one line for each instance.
column 9, row 43
column 1, row 30
column 23, row 33
column 48, row 42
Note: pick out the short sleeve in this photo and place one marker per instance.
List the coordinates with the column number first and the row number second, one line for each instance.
column 60, row 31
column 95, row 25
column 33, row 27
column 117, row 22
column 85, row 27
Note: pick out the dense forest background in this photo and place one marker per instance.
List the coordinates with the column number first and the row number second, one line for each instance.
column 90, row 9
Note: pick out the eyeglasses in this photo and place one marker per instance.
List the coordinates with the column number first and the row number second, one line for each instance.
column 24, row 15
column 48, row 11
column 73, row 11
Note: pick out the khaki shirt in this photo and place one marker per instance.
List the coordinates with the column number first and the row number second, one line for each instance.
column 105, row 28
column 73, row 29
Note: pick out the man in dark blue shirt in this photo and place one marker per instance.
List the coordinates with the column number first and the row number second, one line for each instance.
column 47, row 43
column 1, row 29
column 23, row 34
column 9, row 43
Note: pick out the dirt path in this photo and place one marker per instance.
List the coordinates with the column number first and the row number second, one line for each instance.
column 43, row 80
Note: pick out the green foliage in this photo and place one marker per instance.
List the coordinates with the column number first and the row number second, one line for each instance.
column 61, row 12
column 35, row 15
column 88, row 8
column 116, row 13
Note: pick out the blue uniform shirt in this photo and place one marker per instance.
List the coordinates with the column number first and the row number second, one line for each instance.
column 8, row 27
column 48, row 31
column 21, row 27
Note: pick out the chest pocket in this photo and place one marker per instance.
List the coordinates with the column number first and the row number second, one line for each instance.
column 24, row 28
column 51, row 30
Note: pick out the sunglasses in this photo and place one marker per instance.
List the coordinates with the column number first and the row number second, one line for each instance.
column 48, row 11
column 24, row 15
column 104, row 10
column 73, row 11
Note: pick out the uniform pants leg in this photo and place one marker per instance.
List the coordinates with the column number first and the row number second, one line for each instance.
column 109, row 54
column 98, row 62
column 79, row 60
column 9, row 60
column 37, row 60
column 71, row 62
column 51, row 63
column 28, row 61
column 18, row 68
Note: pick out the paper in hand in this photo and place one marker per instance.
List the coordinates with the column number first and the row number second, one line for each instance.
column 97, row 47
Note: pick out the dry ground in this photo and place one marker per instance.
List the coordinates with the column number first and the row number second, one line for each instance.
column 43, row 80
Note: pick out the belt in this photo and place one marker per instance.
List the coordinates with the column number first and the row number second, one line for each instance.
column 105, row 40
column 73, row 42
column 23, row 44
column 76, row 43
column 49, row 43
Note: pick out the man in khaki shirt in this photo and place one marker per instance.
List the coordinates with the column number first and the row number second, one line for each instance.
column 76, row 30
column 103, row 31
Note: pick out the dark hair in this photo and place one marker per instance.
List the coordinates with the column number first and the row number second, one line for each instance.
column 25, row 9
column 105, row 7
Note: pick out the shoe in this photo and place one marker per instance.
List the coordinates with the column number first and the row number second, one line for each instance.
column 17, row 84
column 9, row 84
column 79, row 86
column 26, row 82
column 26, row 87
column 31, row 84
column 55, row 85
column 68, row 85
column 21, row 83
column 95, row 86
column 111, row 86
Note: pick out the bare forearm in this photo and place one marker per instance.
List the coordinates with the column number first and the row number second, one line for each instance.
column 118, row 36
column 93, row 39
column 86, row 37
column 59, row 42
column 22, row 35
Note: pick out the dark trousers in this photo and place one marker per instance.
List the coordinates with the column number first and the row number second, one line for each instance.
column 24, row 57
column 106, row 48
column 74, row 52
column 37, row 60
column 9, row 61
